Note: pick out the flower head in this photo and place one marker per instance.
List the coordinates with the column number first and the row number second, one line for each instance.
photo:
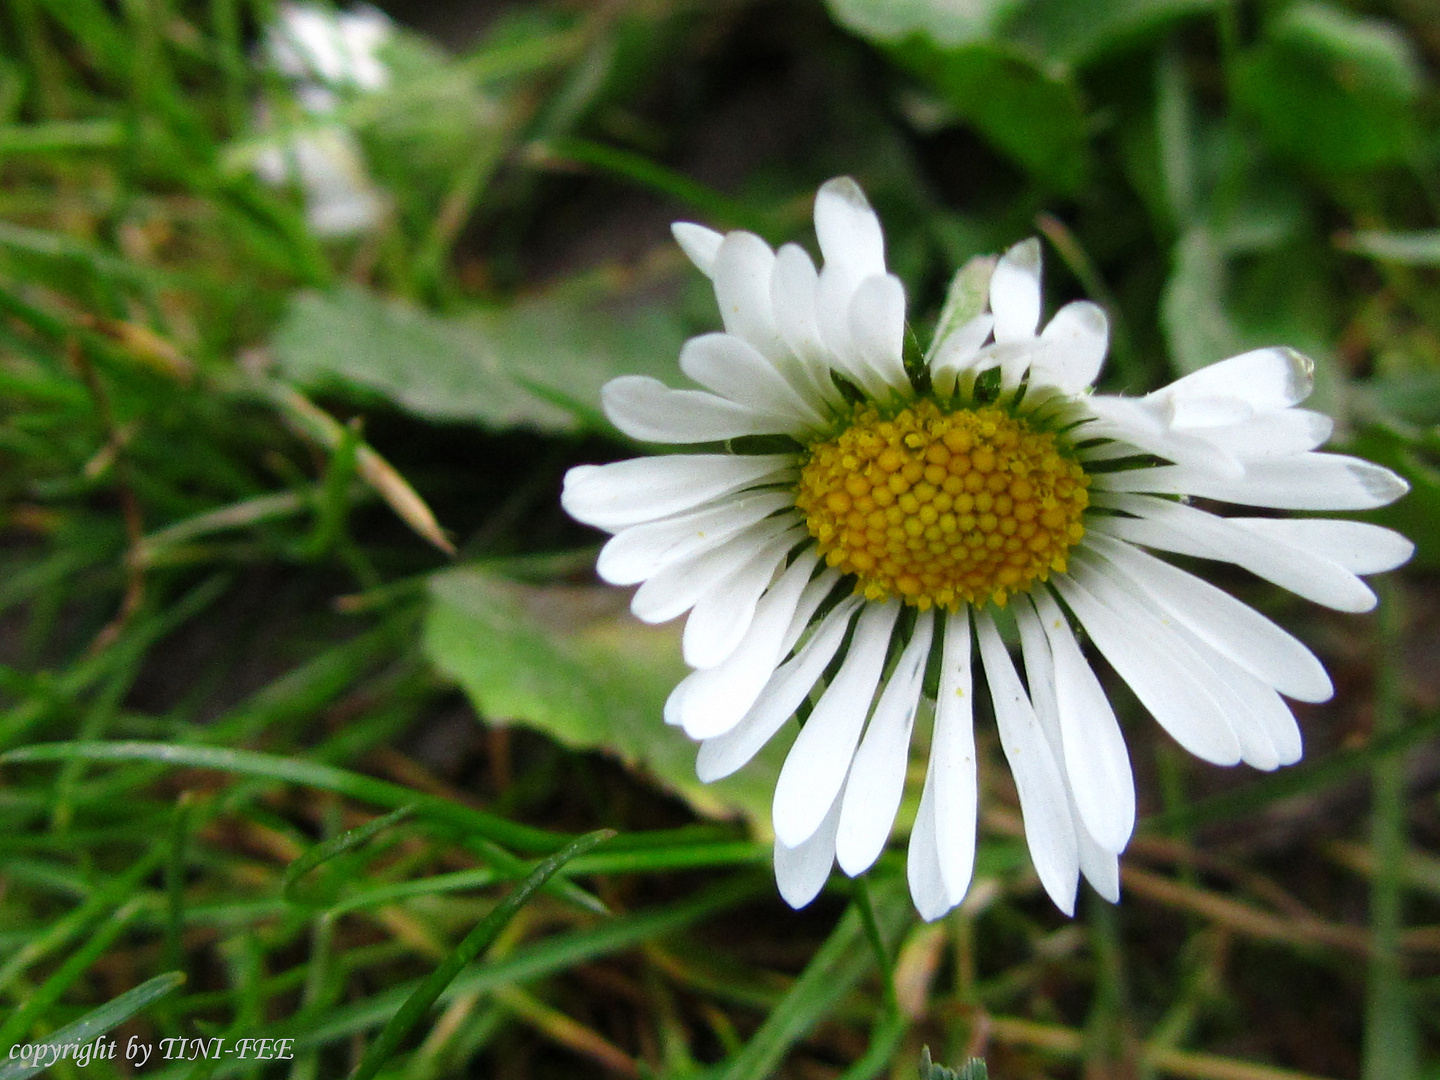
column 849, row 564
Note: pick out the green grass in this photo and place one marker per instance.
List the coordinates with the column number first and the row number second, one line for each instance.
column 303, row 680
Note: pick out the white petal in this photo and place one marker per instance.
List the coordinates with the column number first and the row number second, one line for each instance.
column 1302, row 482
column 1074, row 345
column 700, row 244
column 1164, row 673
column 1233, row 629
column 743, row 267
column 1049, row 831
column 877, row 775
column 1269, row 710
column 877, row 326
column 848, row 230
column 733, row 369
column 715, row 699
column 801, row 872
column 1201, row 412
column 1252, row 708
column 922, row 860
column 793, row 284
column 1270, row 434
column 1015, row 292
column 1100, row 867
column 644, row 489
column 636, row 553
column 810, row 601
column 832, row 313
column 1358, row 546
column 1175, row 527
column 794, row 287
column 648, row 410
column 959, row 351
column 1273, row 378
column 1141, row 423
column 1096, row 761
column 787, row 688
column 951, row 772
column 677, row 587
column 723, row 614
column 818, row 761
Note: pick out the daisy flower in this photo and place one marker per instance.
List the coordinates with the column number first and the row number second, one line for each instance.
column 858, row 524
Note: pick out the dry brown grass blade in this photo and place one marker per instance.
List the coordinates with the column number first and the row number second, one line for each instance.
column 1068, row 1042
column 1243, row 918
column 568, row 1032
column 313, row 422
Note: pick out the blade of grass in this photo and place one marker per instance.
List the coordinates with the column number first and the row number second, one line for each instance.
column 296, row 771
column 547, row 957
column 329, row 849
column 715, row 207
column 1391, row 1049
column 68, row 973
column 175, row 879
column 830, row 975
column 60, row 136
column 425, row 996
column 98, row 1021
column 1293, row 781
column 81, row 918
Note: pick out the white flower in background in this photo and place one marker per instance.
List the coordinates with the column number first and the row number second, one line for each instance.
column 327, row 53
column 853, row 569
column 335, row 49
column 340, row 197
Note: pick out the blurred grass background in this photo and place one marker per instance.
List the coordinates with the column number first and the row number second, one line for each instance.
column 302, row 668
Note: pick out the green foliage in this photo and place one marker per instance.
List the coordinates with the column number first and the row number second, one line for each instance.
column 278, row 763
column 539, row 364
column 571, row 663
column 1333, row 91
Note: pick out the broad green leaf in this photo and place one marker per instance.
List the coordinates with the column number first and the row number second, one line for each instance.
column 540, row 364
column 1028, row 113
column 1053, row 32
column 571, row 662
column 945, row 22
column 1374, row 55
column 1076, row 34
column 1332, row 90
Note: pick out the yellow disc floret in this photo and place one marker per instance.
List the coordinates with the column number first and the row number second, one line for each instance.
column 943, row 508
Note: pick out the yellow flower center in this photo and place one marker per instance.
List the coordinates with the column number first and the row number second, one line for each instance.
column 943, row 508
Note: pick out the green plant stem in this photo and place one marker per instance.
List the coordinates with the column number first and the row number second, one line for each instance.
column 1390, row 1047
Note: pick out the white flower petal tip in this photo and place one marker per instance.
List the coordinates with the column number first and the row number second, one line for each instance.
column 700, row 244
column 1015, row 292
column 1271, row 378
column 848, row 230
column 1073, row 347
column 801, row 871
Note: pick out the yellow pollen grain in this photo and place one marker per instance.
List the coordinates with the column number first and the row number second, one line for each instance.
column 943, row 509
